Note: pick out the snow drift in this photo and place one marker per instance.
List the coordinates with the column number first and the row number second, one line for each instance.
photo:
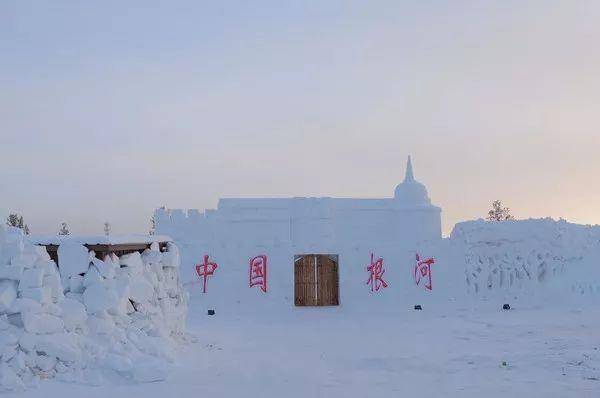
column 89, row 320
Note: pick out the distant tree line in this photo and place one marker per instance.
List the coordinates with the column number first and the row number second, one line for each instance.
column 16, row 220
column 497, row 213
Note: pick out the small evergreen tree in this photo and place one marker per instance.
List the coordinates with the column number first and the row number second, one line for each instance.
column 499, row 213
column 15, row 220
column 64, row 229
column 106, row 228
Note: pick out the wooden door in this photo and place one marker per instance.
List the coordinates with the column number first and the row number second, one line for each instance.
column 316, row 280
column 305, row 278
column 327, row 280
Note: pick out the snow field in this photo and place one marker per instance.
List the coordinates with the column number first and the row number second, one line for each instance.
column 448, row 349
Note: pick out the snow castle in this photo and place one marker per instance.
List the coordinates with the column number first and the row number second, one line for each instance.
column 316, row 248
column 323, row 252
column 316, row 223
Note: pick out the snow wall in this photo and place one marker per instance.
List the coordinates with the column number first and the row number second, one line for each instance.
column 241, row 229
column 530, row 260
column 91, row 320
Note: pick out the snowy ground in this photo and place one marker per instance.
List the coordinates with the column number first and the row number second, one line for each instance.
column 456, row 351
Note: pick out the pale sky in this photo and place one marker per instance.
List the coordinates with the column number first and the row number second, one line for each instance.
column 110, row 109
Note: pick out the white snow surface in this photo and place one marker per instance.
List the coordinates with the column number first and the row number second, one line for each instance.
column 454, row 349
column 89, row 321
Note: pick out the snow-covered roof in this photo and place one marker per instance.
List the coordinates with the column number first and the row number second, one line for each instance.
column 99, row 239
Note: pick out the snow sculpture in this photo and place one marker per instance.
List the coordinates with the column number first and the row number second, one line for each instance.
column 520, row 256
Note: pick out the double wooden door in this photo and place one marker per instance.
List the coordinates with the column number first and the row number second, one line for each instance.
column 316, row 280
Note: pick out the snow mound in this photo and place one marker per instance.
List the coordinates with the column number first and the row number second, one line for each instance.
column 90, row 319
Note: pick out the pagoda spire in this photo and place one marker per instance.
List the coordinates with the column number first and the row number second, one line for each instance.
column 410, row 177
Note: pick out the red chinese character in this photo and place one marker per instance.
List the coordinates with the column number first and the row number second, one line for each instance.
column 205, row 270
column 423, row 270
column 376, row 274
column 258, row 272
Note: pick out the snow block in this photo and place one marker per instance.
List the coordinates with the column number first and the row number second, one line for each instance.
column 8, row 294
column 118, row 363
column 141, row 290
column 132, row 261
column 151, row 256
column 26, row 305
column 12, row 272
column 42, row 323
column 62, row 346
column 149, row 372
column 9, row 352
column 105, row 268
column 27, row 341
column 76, row 284
column 73, row 313
column 52, row 281
column 7, row 338
column 9, row 379
column 52, row 309
column 171, row 258
column 74, row 258
column 92, row 276
column 45, row 363
column 100, row 325
column 39, row 294
column 31, row 278
column 48, row 266
column 98, row 298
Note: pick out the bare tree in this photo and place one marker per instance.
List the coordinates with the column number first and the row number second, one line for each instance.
column 499, row 213
column 64, row 229
column 106, row 228
column 15, row 220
